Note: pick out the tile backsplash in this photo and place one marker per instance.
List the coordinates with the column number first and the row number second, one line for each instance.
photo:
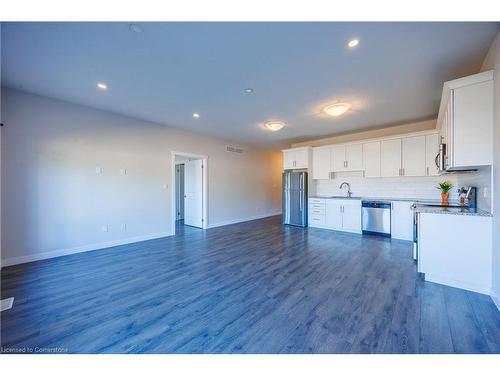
column 408, row 187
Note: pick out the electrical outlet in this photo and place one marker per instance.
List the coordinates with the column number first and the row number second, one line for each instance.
column 123, row 171
column 124, row 227
column 98, row 170
column 105, row 228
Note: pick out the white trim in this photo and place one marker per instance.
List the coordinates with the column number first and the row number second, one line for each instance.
column 496, row 300
column 483, row 289
column 242, row 220
column 80, row 249
column 172, row 189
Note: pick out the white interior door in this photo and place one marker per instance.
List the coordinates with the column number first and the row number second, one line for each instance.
column 193, row 193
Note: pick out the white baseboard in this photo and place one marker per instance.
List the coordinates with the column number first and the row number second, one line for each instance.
column 242, row 220
column 80, row 249
column 445, row 280
column 496, row 300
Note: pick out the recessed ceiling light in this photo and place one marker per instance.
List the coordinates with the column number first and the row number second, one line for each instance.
column 135, row 28
column 337, row 109
column 353, row 43
column 248, row 90
column 102, row 86
column 196, row 115
column 274, row 125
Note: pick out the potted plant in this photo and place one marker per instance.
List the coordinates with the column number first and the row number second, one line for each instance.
column 445, row 188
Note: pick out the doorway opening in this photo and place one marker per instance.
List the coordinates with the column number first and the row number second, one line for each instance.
column 189, row 192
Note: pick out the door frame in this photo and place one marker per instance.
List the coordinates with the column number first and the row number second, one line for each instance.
column 204, row 187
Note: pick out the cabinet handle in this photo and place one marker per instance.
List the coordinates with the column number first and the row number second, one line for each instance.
column 427, row 171
column 403, row 172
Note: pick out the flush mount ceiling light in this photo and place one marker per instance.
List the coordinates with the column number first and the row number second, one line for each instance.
column 337, row 109
column 274, row 125
column 135, row 28
column 353, row 43
column 196, row 115
column 248, row 90
column 102, row 86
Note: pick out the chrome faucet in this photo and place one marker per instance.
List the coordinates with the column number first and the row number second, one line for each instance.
column 349, row 193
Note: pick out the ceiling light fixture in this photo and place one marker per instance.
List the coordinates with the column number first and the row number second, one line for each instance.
column 135, row 28
column 353, row 43
column 337, row 109
column 102, row 86
column 196, row 115
column 274, row 125
column 248, row 90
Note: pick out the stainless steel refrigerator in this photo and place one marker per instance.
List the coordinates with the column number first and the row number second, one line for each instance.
column 295, row 198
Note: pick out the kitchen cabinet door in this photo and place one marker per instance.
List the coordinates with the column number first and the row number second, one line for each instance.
column 354, row 157
column 431, row 151
column 338, row 158
column 401, row 220
column 333, row 214
column 414, row 156
column 371, row 159
column 302, row 158
column 391, row 157
column 473, row 110
column 321, row 163
column 351, row 216
column 288, row 159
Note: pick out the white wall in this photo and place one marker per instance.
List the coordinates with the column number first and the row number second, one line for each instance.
column 492, row 61
column 53, row 202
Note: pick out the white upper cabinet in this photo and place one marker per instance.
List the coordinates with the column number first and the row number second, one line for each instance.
column 410, row 155
column 391, row 158
column 347, row 157
column 288, row 159
column 465, row 121
column 296, row 158
column 371, row 159
column 414, row 157
column 354, row 157
column 321, row 163
column 302, row 158
column 431, row 152
column 338, row 158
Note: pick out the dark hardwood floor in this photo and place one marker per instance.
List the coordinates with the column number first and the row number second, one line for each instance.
column 255, row 287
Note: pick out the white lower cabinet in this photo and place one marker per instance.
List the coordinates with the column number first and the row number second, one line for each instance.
column 337, row 214
column 351, row 216
column 402, row 220
column 333, row 218
column 456, row 250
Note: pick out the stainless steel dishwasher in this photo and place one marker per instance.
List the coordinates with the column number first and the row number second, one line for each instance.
column 376, row 218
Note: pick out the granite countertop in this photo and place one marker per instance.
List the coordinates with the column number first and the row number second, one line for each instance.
column 416, row 200
column 451, row 211
column 430, row 206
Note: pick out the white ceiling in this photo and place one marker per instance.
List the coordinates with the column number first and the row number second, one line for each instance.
column 170, row 70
